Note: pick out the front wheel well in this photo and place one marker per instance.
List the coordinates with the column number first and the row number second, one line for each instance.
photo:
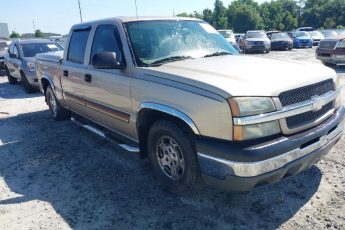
column 45, row 84
column 147, row 117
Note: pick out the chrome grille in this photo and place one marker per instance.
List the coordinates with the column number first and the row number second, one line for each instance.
column 305, row 118
column 306, row 93
column 303, row 94
column 328, row 45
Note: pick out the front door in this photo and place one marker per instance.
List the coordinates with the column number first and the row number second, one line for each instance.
column 107, row 91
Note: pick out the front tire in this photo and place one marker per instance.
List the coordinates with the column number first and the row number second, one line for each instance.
column 58, row 112
column 12, row 80
column 28, row 88
column 173, row 158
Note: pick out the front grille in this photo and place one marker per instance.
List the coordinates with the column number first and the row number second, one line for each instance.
column 307, row 117
column 328, row 45
column 303, row 94
column 306, row 93
column 258, row 43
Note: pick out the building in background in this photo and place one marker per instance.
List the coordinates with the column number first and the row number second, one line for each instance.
column 4, row 33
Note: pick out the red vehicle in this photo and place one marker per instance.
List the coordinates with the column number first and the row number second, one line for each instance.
column 331, row 51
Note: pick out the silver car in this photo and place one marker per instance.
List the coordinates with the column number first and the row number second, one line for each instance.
column 3, row 49
column 256, row 41
column 20, row 61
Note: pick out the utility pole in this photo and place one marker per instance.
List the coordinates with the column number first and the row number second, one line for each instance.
column 33, row 23
column 81, row 17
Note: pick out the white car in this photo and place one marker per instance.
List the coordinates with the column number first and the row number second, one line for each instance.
column 317, row 36
column 230, row 37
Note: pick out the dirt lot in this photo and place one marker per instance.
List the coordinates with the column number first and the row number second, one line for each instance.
column 55, row 175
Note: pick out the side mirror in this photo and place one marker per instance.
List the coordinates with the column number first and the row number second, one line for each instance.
column 106, row 60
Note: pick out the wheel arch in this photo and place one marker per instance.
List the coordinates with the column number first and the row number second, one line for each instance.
column 149, row 113
column 45, row 82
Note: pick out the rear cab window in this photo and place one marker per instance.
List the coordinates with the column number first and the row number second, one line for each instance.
column 77, row 46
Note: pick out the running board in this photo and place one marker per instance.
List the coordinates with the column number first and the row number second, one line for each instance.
column 129, row 148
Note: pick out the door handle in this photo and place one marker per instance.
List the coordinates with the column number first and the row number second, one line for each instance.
column 65, row 73
column 87, row 77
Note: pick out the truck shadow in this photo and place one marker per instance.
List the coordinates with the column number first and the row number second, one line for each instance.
column 92, row 184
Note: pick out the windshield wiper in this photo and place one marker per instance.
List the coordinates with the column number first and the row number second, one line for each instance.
column 222, row 53
column 169, row 59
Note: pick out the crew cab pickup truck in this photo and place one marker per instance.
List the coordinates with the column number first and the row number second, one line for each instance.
column 175, row 91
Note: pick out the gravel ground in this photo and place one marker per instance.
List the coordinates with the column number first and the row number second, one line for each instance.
column 55, row 175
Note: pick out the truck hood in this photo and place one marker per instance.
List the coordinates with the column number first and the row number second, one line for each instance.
column 240, row 75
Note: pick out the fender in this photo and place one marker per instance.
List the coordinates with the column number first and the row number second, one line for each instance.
column 170, row 111
column 49, row 80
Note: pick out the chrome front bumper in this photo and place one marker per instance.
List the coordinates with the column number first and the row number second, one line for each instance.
column 238, row 166
column 252, row 169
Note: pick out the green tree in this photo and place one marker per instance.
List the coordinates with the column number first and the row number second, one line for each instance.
column 208, row 16
column 243, row 15
column 329, row 23
column 219, row 16
column 39, row 34
column 14, row 35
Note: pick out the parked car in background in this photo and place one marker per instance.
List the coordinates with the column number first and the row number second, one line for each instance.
column 20, row 60
column 329, row 33
column 230, row 37
column 302, row 39
column 281, row 41
column 317, row 36
column 3, row 50
column 255, row 41
column 173, row 90
column 305, row 29
column 331, row 51
column 269, row 33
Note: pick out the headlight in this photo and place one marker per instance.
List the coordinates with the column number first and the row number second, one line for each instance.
column 249, row 132
column 341, row 44
column 250, row 106
column 31, row 66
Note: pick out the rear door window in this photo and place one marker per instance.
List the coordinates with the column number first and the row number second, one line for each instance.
column 77, row 46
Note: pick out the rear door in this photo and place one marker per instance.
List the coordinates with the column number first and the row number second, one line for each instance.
column 72, row 70
column 107, row 91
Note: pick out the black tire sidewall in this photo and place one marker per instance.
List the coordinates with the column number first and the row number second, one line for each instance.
column 48, row 92
column 190, row 176
column 27, row 86
column 12, row 80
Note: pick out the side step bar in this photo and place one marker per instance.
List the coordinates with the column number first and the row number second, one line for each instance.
column 129, row 148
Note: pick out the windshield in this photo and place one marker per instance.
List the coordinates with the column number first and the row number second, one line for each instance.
column 30, row 50
column 153, row 41
column 302, row 34
column 3, row 46
column 280, row 35
column 226, row 33
column 256, row 34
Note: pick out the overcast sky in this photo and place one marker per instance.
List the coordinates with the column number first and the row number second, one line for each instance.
column 59, row 15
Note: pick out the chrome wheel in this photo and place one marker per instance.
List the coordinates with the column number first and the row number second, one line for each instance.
column 170, row 158
column 52, row 103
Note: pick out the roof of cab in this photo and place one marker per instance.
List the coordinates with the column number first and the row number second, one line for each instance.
column 124, row 19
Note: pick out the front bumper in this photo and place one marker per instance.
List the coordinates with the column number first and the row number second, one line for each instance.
column 331, row 58
column 31, row 76
column 2, row 63
column 279, row 45
column 257, row 48
column 243, row 166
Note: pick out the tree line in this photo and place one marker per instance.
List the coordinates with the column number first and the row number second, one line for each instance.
column 284, row 15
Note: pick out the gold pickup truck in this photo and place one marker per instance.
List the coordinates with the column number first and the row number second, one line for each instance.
column 175, row 91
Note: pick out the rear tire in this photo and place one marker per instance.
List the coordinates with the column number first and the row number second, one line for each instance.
column 58, row 112
column 28, row 88
column 12, row 80
column 173, row 158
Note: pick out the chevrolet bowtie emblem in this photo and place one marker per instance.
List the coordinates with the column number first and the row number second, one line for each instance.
column 317, row 103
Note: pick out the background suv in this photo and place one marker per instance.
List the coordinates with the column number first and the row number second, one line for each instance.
column 20, row 60
column 255, row 41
